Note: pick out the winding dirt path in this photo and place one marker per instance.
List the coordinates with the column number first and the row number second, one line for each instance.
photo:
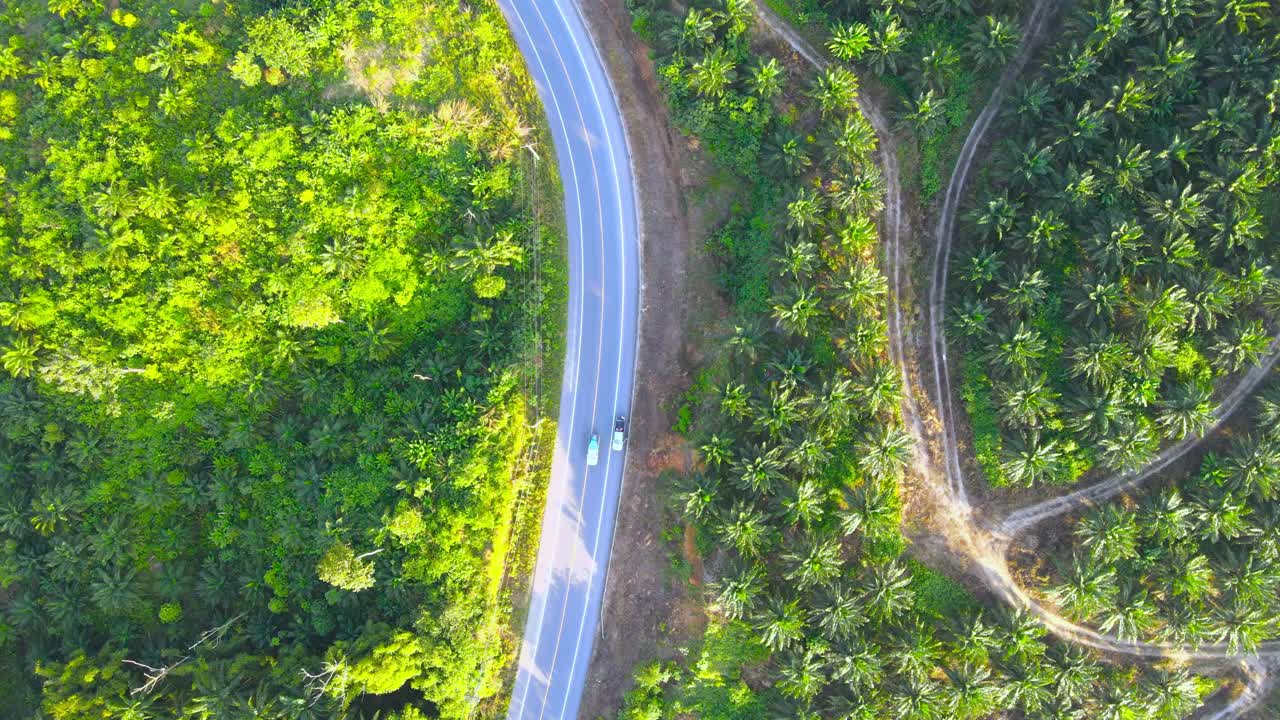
column 986, row 550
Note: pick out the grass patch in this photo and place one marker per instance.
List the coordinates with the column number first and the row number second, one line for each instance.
column 975, row 389
column 938, row 595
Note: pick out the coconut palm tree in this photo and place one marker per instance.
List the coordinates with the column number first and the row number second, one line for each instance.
column 1187, row 410
column 841, row 614
column 1132, row 613
column 849, row 41
column 815, row 562
column 746, row 529
column 1108, row 534
column 781, row 623
column 993, row 41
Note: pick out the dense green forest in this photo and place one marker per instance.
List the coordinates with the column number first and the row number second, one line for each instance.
column 1118, row 259
column 271, row 293
column 1191, row 564
column 816, row 611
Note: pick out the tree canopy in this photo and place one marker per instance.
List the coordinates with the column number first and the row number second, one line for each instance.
column 269, row 304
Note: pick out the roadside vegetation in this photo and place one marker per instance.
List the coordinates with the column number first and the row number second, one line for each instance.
column 1116, row 261
column 270, row 325
column 816, row 609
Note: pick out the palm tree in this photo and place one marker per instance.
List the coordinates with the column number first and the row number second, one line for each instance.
column 1073, row 672
column 806, row 505
column 915, row 699
column 114, row 591
column 1018, row 347
column 1186, row 625
column 1220, row 515
column 1118, row 701
column 1172, row 694
column 1025, row 685
column 780, row 624
column 795, row 310
column 883, row 451
column 697, row 31
column 784, row 153
column 735, row 401
column 849, row 41
column 739, row 592
column 1242, row 625
column 1022, row 634
column 1131, row 615
column 1031, row 460
column 746, row 529
column 758, row 474
column 816, row 562
column 860, row 666
column 886, row 590
column 1254, row 466
column 871, row 510
column 972, row 640
column 841, row 614
column 879, row 389
column 802, row 675
column 888, row 38
column 20, row 357
column 993, row 41
column 1188, row 410
column 914, row 651
column 862, row 287
column 1108, row 534
column 848, row 143
column 717, row 451
column 1165, row 517
column 766, row 78
column 970, row 693
column 799, row 260
column 925, row 112
column 713, row 74
column 746, row 340
column 1028, row 403
column 1133, row 446
column 835, row 89
column 698, row 496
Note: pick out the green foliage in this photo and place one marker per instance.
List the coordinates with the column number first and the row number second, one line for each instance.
column 265, row 297
column 938, row 595
column 1190, row 564
column 712, row 687
column 975, row 389
column 1116, row 265
column 797, row 491
column 342, row 568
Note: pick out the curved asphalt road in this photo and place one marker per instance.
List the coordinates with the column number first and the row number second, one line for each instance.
column 600, row 214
